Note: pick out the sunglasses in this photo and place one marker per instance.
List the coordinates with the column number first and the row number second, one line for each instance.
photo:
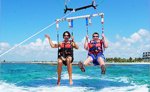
column 95, row 36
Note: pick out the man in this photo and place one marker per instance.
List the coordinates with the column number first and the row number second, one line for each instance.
column 65, row 54
column 95, row 52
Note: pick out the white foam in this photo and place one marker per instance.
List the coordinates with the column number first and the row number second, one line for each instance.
column 6, row 87
column 136, row 88
column 123, row 79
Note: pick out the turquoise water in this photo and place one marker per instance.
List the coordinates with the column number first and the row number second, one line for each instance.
column 43, row 78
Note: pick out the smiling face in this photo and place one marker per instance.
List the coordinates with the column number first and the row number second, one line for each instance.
column 66, row 35
column 95, row 36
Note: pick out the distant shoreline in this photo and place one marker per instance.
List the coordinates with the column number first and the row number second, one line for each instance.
column 74, row 63
column 129, row 63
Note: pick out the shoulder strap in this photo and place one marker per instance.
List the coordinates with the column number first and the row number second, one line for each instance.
column 91, row 41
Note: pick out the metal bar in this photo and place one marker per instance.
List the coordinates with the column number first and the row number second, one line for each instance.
column 79, row 17
column 84, row 7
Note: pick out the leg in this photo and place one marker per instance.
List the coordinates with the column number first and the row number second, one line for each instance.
column 88, row 60
column 102, row 65
column 59, row 69
column 69, row 68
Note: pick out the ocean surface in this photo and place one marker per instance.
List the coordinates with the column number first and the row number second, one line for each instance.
column 43, row 78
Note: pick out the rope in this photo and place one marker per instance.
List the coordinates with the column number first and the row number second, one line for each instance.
column 102, row 21
column 57, row 27
column 33, row 35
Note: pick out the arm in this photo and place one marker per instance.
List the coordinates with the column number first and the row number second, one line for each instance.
column 51, row 43
column 74, row 44
column 104, row 41
column 86, row 43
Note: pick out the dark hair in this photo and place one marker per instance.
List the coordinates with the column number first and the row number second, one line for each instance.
column 95, row 33
column 67, row 33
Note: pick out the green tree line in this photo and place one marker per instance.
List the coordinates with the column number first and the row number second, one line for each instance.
column 118, row 59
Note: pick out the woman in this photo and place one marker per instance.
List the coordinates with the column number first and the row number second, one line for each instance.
column 65, row 54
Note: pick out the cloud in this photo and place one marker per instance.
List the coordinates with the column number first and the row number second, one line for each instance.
column 125, row 47
column 132, row 46
column 39, row 50
column 137, row 36
column 4, row 46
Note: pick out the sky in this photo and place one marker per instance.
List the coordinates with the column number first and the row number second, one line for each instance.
column 127, row 27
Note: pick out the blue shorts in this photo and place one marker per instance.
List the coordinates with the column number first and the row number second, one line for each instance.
column 95, row 57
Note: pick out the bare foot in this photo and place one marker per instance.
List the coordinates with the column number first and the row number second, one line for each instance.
column 71, row 82
column 58, row 83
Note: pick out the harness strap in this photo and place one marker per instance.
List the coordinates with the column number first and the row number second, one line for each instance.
column 95, row 49
column 65, row 51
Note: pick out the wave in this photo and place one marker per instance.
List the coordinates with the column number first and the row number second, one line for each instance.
column 82, row 83
column 142, row 88
column 119, row 79
column 7, row 87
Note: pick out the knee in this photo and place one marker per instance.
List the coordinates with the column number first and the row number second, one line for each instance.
column 69, row 59
column 102, row 64
column 101, row 61
column 59, row 61
column 86, row 64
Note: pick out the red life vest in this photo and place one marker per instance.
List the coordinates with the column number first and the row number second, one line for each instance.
column 66, row 48
column 66, row 44
column 95, row 47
